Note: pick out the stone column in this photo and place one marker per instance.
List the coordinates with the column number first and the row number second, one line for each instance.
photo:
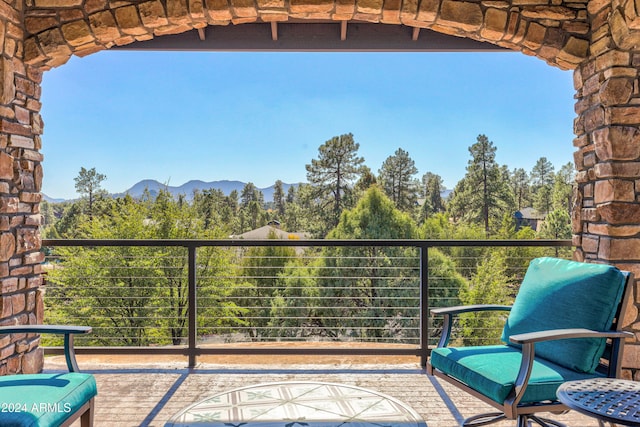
column 20, row 184
column 607, row 213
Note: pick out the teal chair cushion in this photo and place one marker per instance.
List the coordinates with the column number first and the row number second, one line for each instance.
column 561, row 294
column 43, row 399
column 492, row 370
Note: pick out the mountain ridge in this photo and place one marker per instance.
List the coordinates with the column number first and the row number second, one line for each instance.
column 187, row 189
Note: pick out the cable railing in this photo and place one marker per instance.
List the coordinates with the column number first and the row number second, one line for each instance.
column 198, row 297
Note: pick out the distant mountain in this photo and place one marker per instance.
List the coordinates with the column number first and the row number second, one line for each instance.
column 187, row 189
column 51, row 199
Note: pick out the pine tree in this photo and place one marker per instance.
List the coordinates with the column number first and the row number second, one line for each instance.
column 520, row 188
column 88, row 186
column 483, row 195
column 279, row 199
column 333, row 175
column 397, row 178
column 542, row 177
column 433, row 187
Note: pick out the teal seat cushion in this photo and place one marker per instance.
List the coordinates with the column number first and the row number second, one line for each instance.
column 492, row 371
column 43, row 399
column 561, row 294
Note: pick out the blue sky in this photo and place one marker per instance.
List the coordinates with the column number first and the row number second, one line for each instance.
column 259, row 117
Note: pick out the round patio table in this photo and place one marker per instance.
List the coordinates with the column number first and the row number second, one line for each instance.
column 298, row 404
column 607, row 399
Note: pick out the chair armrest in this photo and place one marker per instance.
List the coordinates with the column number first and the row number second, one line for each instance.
column 67, row 331
column 559, row 334
column 469, row 308
column 528, row 341
column 450, row 312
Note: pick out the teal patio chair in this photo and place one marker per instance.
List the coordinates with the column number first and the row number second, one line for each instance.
column 48, row 399
column 564, row 325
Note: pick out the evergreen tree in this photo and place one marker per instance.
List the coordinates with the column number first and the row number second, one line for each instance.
column 333, row 175
column 250, row 193
column 557, row 225
column 563, row 185
column 483, row 195
column 542, row 177
column 367, row 179
column 433, row 187
column 88, row 185
column 252, row 213
column 279, row 200
column 397, row 179
column 520, row 188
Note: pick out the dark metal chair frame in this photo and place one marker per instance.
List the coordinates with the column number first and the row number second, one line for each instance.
column 511, row 408
column 86, row 411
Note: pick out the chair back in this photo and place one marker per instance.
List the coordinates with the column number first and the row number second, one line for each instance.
column 562, row 294
column 611, row 360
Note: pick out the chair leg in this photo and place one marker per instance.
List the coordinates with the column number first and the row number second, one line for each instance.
column 524, row 421
column 86, row 420
column 484, row 419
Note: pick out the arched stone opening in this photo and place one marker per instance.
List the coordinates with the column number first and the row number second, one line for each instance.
column 57, row 29
column 598, row 39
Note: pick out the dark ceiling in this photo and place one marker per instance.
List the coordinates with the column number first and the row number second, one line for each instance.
column 310, row 37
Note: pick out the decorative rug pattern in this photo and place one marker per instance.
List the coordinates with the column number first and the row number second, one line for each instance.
column 298, row 404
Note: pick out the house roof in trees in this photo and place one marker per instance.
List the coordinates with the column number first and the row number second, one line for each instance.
column 263, row 233
column 530, row 213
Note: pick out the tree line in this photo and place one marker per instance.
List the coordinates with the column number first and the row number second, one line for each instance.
column 486, row 195
column 143, row 299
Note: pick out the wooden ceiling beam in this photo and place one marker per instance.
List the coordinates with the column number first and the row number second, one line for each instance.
column 415, row 34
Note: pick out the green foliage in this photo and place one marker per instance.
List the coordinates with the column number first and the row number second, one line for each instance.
column 372, row 282
column 445, row 284
column 557, row 225
column 490, row 285
column 294, row 308
column 262, row 268
column 563, row 186
column 138, row 295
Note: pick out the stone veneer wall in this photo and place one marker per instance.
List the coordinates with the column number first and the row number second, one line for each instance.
column 599, row 39
column 606, row 220
column 20, row 183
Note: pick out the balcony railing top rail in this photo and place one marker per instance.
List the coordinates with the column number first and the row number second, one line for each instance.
column 428, row 243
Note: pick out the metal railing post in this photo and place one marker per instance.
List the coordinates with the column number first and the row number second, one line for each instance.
column 193, row 309
column 424, row 304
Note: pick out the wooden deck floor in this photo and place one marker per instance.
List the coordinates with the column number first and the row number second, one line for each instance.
column 148, row 392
